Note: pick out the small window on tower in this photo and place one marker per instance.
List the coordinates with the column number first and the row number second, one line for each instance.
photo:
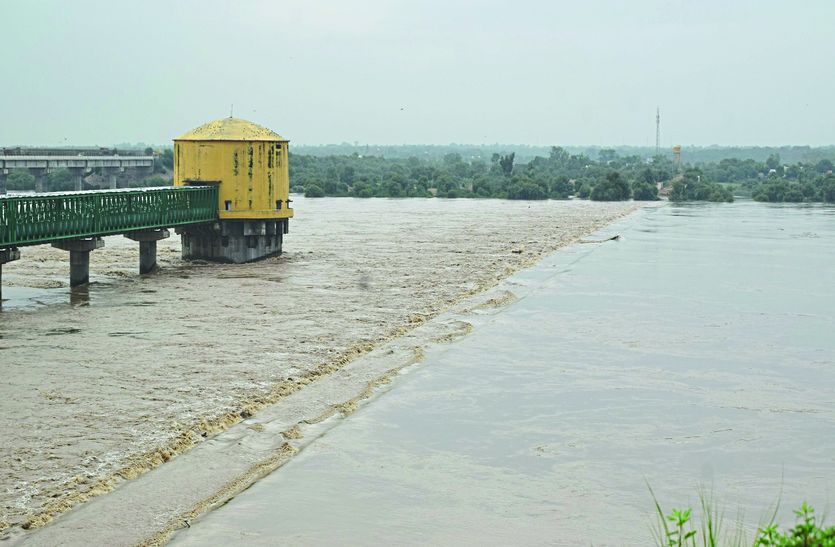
column 228, row 204
column 278, row 203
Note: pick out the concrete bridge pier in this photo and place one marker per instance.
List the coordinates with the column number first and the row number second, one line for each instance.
column 236, row 241
column 78, row 177
column 110, row 176
column 148, row 247
column 79, row 257
column 3, row 176
column 40, row 178
column 6, row 255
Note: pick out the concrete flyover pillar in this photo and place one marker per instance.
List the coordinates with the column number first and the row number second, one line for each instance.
column 40, row 178
column 6, row 255
column 3, row 176
column 78, row 177
column 110, row 176
column 147, row 247
column 79, row 257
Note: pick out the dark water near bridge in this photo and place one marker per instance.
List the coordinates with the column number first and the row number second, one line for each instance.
column 699, row 350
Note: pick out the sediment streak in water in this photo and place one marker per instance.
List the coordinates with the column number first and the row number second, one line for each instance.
column 98, row 392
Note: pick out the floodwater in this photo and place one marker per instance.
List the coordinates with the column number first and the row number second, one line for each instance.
column 695, row 352
column 100, row 385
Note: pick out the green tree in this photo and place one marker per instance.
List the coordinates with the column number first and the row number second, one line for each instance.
column 644, row 191
column 583, row 189
column 612, row 188
column 20, row 179
column 773, row 191
column 525, row 189
column 793, row 195
column 694, row 186
column 561, row 188
column 828, row 189
column 168, row 158
column 558, row 156
column 60, row 180
column 824, row 166
column 506, row 163
column 607, row 155
column 314, row 191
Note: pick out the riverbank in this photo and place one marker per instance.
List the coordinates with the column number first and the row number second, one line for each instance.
column 106, row 384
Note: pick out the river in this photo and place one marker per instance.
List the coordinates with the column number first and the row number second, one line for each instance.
column 102, row 384
column 695, row 352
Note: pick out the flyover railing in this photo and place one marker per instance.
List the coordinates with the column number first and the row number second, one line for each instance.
column 43, row 218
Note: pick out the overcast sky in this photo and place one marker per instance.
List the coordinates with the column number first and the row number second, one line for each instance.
column 739, row 72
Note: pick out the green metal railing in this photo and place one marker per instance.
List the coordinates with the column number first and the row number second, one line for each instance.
column 43, row 218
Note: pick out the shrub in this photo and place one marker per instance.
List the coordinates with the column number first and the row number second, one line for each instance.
column 20, row 179
column 694, row 187
column 644, row 191
column 612, row 188
column 584, row 190
column 313, row 191
column 526, row 190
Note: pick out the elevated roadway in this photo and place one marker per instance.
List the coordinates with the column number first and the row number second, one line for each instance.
column 42, row 163
column 77, row 221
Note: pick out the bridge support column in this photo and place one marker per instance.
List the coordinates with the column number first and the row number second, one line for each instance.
column 79, row 257
column 6, row 255
column 3, row 176
column 235, row 241
column 110, row 176
column 147, row 247
column 40, row 178
column 78, row 177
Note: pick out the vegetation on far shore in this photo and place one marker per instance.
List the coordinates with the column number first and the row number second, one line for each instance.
column 559, row 175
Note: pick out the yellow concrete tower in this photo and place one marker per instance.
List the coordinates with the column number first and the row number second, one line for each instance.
column 248, row 163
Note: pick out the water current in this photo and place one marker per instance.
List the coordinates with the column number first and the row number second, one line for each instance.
column 695, row 352
column 103, row 383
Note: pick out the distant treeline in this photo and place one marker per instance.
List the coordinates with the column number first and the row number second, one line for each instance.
column 694, row 155
column 559, row 175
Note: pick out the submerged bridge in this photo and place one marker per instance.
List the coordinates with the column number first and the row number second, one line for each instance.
column 77, row 221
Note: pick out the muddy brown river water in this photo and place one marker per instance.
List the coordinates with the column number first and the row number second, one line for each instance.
column 694, row 352
column 102, row 384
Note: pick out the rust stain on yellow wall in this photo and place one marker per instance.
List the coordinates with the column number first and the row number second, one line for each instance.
column 213, row 154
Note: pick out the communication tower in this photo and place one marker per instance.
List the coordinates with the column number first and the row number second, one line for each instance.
column 657, row 131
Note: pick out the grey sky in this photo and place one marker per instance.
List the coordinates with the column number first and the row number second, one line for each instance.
column 432, row 71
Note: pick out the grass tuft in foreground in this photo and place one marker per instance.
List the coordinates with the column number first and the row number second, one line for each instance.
column 677, row 528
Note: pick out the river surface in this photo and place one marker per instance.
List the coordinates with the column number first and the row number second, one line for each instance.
column 695, row 352
column 101, row 384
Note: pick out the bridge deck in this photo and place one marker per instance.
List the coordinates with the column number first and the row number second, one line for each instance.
column 44, row 218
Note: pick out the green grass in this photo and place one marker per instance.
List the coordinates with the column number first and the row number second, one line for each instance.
column 684, row 528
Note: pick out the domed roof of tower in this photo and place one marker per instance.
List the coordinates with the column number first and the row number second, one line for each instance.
column 230, row 129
